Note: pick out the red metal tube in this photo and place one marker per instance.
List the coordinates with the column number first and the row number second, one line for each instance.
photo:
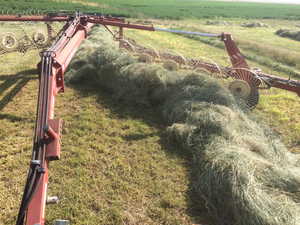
column 119, row 24
column 282, row 83
column 44, row 18
column 64, row 57
column 36, row 210
column 236, row 58
column 51, row 133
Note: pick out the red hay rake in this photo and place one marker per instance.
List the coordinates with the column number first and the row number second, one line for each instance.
column 53, row 64
column 247, row 81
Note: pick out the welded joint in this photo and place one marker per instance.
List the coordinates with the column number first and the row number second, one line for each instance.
column 52, row 137
column 83, row 27
column 51, row 133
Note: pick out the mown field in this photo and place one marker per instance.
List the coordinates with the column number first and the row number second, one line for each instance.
column 262, row 45
column 118, row 166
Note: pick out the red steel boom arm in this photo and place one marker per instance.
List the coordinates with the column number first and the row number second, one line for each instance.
column 44, row 18
column 243, row 72
column 46, row 146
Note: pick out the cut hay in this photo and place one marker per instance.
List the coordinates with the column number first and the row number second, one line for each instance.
column 145, row 58
column 295, row 35
column 217, row 23
column 242, row 171
column 170, row 65
column 254, row 24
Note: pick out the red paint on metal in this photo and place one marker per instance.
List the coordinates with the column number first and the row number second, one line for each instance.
column 54, row 132
column 61, row 53
column 66, row 54
column 36, row 210
column 242, row 69
column 282, row 83
column 236, row 57
column 44, row 18
column 103, row 21
column 287, row 87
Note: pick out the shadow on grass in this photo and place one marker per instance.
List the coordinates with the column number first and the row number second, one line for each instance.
column 125, row 110
column 136, row 137
column 14, row 118
column 16, row 82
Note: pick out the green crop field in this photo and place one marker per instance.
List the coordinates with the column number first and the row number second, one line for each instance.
column 118, row 165
column 203, row 9
column 171, row 9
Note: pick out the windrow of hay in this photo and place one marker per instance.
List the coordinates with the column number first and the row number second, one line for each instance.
column 289, row 33
column 254, row 24
column 244, row 173
column 217, row 22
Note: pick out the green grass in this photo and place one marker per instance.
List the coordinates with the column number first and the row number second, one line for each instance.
column 176, row 9
column 172, row 9
column 261, row 41
column 38, row 6
column 258, row 54
column 117, row 166
column 276, row 106
column 259, row 45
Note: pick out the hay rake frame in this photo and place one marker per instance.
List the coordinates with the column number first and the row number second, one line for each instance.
column 255, row 79
column 37, row 40
column 54, row 62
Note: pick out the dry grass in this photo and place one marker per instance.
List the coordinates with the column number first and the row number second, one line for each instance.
column 261, row 41
column 278, row 108
column 124, row 145
column 242, row 171
column 116, row 167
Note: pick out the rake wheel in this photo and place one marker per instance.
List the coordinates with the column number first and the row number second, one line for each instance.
column 39, row 38
column 8, row 42
column 245, row 86
column 240, row 89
